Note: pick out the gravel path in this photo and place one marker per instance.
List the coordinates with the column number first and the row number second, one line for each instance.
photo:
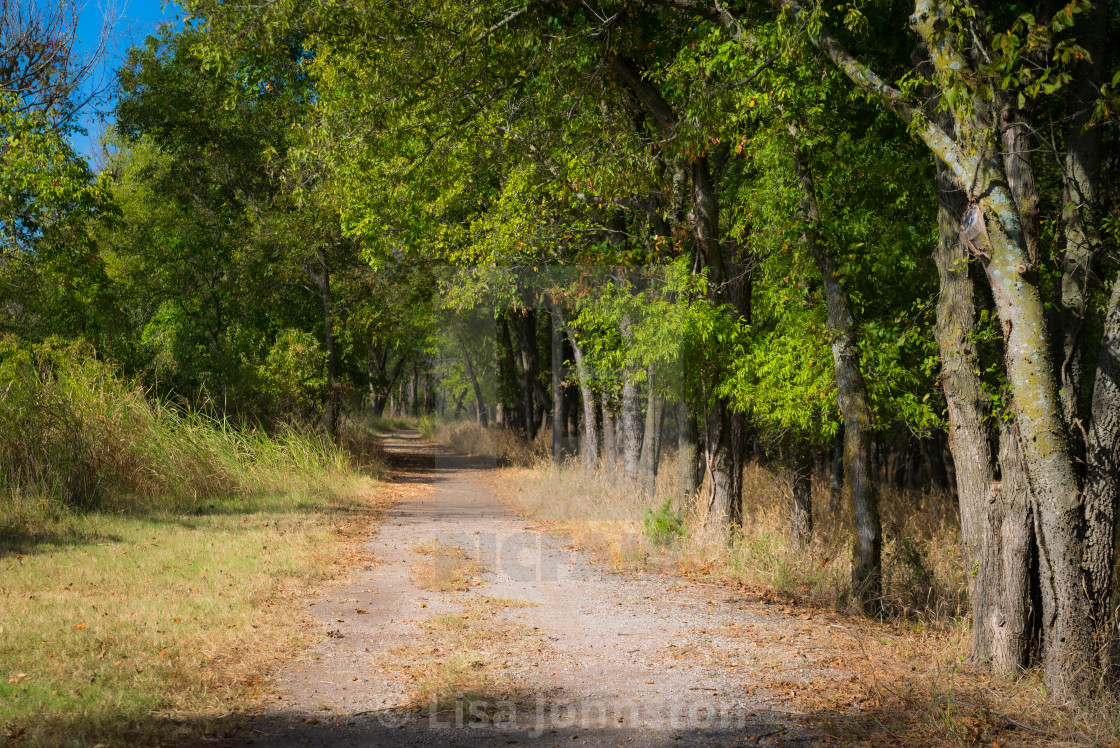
column 598, row 659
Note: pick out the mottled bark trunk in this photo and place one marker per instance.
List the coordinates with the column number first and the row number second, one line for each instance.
column 1069, row 661
column 1044, row 445
column 855, row 406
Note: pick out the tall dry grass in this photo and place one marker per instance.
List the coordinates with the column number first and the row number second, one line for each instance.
column 507, row 447
column 74, row 436
column 924, row 577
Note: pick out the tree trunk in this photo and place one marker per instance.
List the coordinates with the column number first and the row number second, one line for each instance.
column 688, row 452
column 1008, row 554
column 480, row 404
column 1102, row 480
column 559, row 417
column 651, row 439
column 1068, row 667
column 967, row 405
column 591, row 444
column 526, row 359
column 722, row 486
column 801, row 502
column 630, row 426
column 836, row 477
column 855, row 406
column 609, row 441
column 1081, row 206
column 510, row 381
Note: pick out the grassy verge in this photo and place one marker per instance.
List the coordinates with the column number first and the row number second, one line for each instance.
column 152, row 561
column 154, row 627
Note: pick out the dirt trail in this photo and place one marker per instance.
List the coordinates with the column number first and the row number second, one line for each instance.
column 594, row 658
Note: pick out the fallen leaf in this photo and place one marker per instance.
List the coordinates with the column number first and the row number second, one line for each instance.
column 79, row 627
column 362, row 611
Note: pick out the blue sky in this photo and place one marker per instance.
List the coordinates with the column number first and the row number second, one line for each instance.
column 132, row 21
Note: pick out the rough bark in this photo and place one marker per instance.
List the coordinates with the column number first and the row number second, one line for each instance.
column 1102, row 480
column 1043, row 437
column 993, row 513
column 1081, row 207
column 630, row 416
column 1007, row 556
column 723, row 468
column 855, row 407
column 630, row 426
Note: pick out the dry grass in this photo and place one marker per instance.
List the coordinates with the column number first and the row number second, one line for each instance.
column 505, row 446
column 909, row 671
column 446, row 569
column 608, row 515
column 154, row 627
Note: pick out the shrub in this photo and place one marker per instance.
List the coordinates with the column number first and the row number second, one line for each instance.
column 294, row 378
column 664, row 525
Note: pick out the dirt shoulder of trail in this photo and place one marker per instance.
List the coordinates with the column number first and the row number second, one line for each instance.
column 473, row 626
